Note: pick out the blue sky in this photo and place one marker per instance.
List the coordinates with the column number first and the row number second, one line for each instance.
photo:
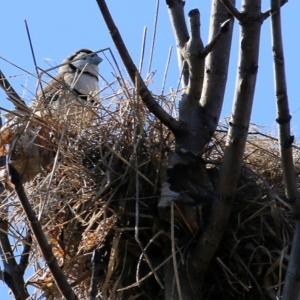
column 58, row 28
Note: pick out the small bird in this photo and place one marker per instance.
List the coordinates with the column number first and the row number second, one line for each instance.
column 73, row 90
column 70, row 95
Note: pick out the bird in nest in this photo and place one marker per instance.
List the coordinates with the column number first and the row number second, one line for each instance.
column 73, row 90
column 70, row 96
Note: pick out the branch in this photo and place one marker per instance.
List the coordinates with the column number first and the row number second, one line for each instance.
column 46, row 249
column 11, row 275
column 216, row 68
column 224, row 28
column 25, row 253
column 11, row 93
column 230, row 6
column 191, row 52
column 135, row 76
column 268, row 12
column 292, row 285
column 96, row 265
column 202, row 254
column 200, row 121
column 176, row 13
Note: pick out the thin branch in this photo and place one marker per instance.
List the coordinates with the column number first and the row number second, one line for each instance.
column 175, row 265
column 232, row 9
column 33, row 56
column 176, row 13
column 166, row 70
column 216, row 68
column 13, row 277
column 192, row 54
column 268, row 12
column 291, row 288
column 11, row 93
column 283, row 112
column 145, row 94
column 143, row 49
column 23, row 264
column 154, row 36
column 96, row 264
column 46, row 249
column 224, row 28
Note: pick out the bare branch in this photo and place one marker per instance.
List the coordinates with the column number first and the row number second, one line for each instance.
column 50, row 259
column 154, row 36
column 176, row 13
column 292, row 285
column 192, row 54
column 12, row 276
column 11, row 93
column 231, row 8
column 216, row 69
column 268, row 13
column 199, row 122
column 225, row 27
column 204, row 251
column 96, row 262
column 145, row 94
column 25, row 253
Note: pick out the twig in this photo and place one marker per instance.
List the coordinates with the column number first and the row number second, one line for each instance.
column 154, row 36
column 96, row 262
column 232, row 9
column 225, row 27
column 226, row 269
column 11, row 93
column 166, row 70
column 13, row 274
column 128, row 164
column 145, row 94
column 46, row 249
column 137, row 134
column 143, row 49
column 33, row 56
column 176, row 13
column 177, row 281
column 26, row 251
column 268, row 12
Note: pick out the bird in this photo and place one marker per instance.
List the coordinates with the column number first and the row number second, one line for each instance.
column 73, row 90
column 69, row 96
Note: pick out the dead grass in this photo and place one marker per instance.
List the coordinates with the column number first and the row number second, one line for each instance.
column 105, row 177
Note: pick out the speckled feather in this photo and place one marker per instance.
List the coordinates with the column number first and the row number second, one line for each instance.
column 75, row 81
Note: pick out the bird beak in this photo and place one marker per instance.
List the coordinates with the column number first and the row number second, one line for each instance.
column 95, row 60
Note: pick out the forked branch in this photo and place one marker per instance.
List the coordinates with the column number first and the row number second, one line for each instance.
column 209, row 242
column 13, row 273
column 135, row 76
column 200, row 105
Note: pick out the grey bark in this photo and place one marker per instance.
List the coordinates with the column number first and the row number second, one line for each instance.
column 291, row 288
column 250, row 21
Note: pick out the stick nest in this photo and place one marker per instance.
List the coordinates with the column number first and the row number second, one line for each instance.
column 105, row 174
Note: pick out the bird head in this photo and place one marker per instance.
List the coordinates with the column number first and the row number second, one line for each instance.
column 83, row 60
